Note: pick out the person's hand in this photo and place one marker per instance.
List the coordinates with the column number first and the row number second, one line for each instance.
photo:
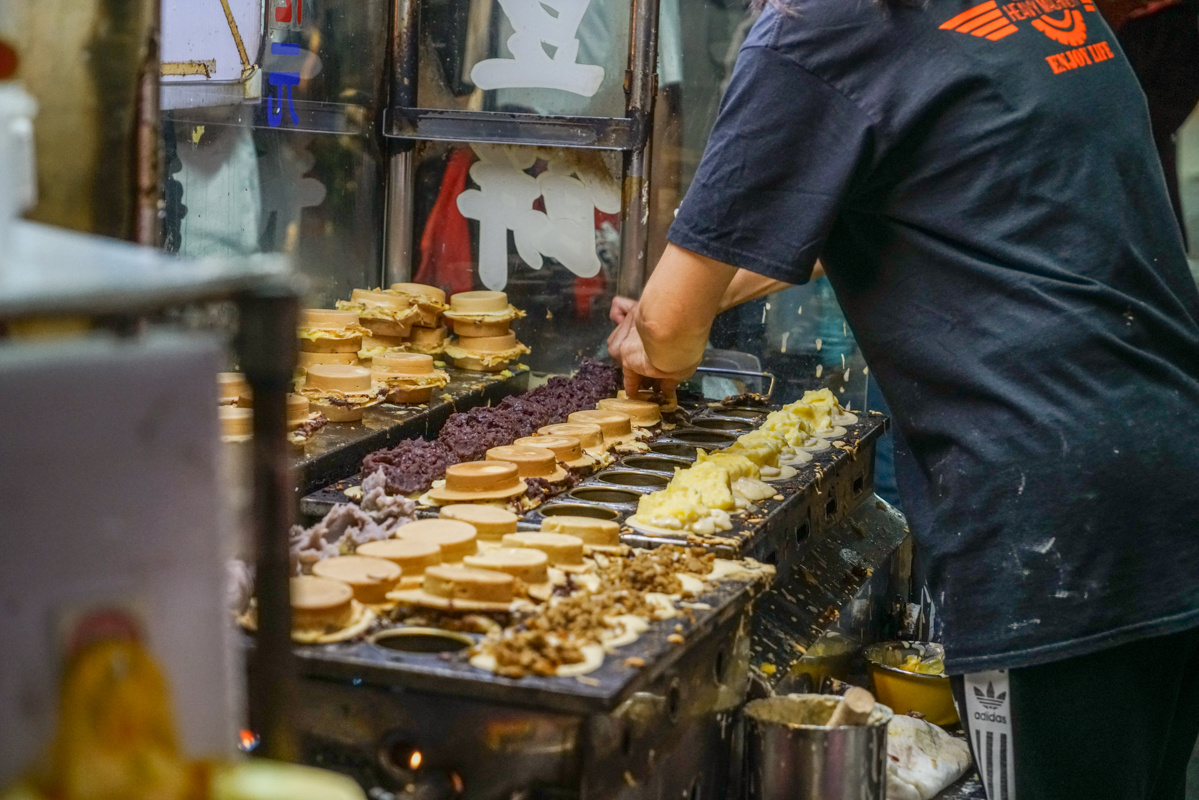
column 622, row 308
column 622, row 314
column 638, row 371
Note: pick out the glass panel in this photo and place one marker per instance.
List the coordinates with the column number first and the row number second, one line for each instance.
column 540, row 224
column 236, row 190
column 316, row 67
column 326, row 53
column 1188, row 180
column 554, row 57
column 248, row 174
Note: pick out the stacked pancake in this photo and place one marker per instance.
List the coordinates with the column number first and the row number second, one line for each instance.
column 484, row 340
column 530, row 461
column 231, row 386
column 568, row 450
column 342, row 392
column 329, row 336
column 324, row 610
column 409, row 377
column 237, row 418
column 404, row 318
column 590, row 436
column 428, row 334
column 616, row 427
column 467, row 578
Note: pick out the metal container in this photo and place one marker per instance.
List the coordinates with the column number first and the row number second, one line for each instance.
column 898, row 683
column 792, row 756
column 614, row 498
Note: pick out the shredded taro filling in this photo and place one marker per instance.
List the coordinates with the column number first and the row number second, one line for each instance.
column 347, row 525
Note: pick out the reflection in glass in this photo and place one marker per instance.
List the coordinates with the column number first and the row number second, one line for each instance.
column 541, row 224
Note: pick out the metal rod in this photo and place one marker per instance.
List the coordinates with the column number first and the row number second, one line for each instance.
column 399, row 233
column 642, row 82
column 147, row 226
column 508, row 127
column 267, row 349
column 404, row 57
column 742, row 373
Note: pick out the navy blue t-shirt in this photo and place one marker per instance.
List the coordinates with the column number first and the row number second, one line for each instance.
column 981, row 185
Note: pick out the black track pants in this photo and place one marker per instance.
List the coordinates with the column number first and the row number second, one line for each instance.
column 1120, row 723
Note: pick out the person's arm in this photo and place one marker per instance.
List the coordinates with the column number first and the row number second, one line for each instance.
column 744, row 287
column 665, row 335
column 747, row 286
column 677, row 308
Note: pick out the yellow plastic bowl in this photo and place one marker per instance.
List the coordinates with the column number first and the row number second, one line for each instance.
column 907, row 691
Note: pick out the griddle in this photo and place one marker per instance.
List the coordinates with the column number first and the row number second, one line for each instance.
column 598, row 692
column 773, row 531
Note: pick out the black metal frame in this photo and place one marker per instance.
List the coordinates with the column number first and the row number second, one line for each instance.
column 503, row 127
column 403, row 120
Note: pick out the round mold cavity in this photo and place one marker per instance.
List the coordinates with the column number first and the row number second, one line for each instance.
column 655, row 463
column 578, row 510
column 752, row 414
column 598, row 494
column 704, row 438
column 627, row 477
column 686, row 452
column 723, row 424
column 422, row 641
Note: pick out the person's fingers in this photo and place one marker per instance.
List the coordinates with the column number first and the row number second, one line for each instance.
column 615, row 343
column 621, row 306
column 617, row 311
column 632, row 382
column 669, row 389
column 617, row 338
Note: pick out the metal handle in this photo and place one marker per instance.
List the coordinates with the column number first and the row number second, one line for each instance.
column 744, row 373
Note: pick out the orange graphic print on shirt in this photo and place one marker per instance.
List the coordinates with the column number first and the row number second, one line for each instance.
column 1060, row 20
column 1071, row 31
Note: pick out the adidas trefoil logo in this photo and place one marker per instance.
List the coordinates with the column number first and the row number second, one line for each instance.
column 990, row 699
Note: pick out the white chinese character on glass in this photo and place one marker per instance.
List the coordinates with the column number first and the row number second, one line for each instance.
column 544, row 50
column 565, row 231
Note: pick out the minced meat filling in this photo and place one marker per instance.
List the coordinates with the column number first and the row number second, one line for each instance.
column 533, row 653
column 554, row 634
column 541, row 489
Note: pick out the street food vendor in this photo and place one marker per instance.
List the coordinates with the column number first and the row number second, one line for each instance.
column 980, row 184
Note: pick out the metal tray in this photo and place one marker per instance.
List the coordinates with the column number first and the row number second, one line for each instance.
column 599, row 692
column 343, row 464
column 772, row 531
